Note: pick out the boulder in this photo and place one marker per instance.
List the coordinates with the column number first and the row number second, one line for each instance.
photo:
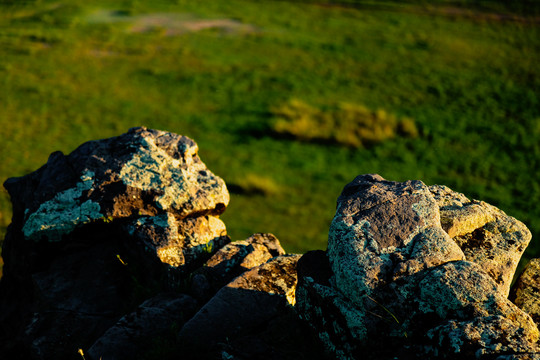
column 143, row 172
column 97, row 232
column 384, row 230
column 393, row 282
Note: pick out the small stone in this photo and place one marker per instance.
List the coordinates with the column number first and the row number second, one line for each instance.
column 244, row 306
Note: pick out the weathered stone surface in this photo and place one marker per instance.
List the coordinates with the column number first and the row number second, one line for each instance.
column 98, row 231
column 459, row 216
column 393, row 282
column 231, row 261
column 179, row 242
column 526, row 292
column 137, row 333
column 143, row 172
column 383, row 230
column 244, row 307
column 479, row 319
column 486, row 234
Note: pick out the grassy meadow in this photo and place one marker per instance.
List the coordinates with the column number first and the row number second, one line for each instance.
column 464, row 75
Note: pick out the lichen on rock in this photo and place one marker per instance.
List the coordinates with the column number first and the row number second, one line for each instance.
column 397, row 283
column 486, row 234
column 177, row 180
column 63, row 213
column 375, row 231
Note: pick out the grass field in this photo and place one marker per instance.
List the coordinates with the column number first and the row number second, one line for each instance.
column 468, row 77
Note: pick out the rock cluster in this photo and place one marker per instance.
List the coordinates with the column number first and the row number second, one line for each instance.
column 417, row 271
column 114, row 247
column 117, row 251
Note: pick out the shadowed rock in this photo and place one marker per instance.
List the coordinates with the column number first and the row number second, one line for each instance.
column 98, row 231
column 136, row 333
column 245, row 307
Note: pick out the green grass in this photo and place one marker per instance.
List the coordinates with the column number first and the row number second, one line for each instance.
column 73, row 72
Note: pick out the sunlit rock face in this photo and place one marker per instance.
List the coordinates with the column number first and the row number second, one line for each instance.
column 401, row 276
column 487, row 236
column 124, row 217
column 143, row 172
column 117, row 251
column 526, row 291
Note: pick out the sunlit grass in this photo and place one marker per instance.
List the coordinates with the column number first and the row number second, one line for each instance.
column 470, row 85
column 344, row 124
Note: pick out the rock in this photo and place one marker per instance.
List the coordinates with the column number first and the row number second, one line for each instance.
column 382, row 230
column 526, row 291
column 97, row 232
column 135, row 334
column 143, row 172
column 179, row 243
column 117, row 251
column 394, row 282
column 246, row 306
column 231, row 261
column 486, row 234
column 477, row 319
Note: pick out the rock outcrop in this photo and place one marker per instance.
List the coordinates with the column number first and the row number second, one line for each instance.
column 114, row 245
column 394, row 281
column 117, row 251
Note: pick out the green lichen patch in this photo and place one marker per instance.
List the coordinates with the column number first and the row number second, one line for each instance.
column 63, row 213
column 186, row 186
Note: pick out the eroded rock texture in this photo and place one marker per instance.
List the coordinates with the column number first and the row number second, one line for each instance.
column 487, row 236
column 526, row 291
column 106, row 245
column 394, row 282
column 232, row 260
